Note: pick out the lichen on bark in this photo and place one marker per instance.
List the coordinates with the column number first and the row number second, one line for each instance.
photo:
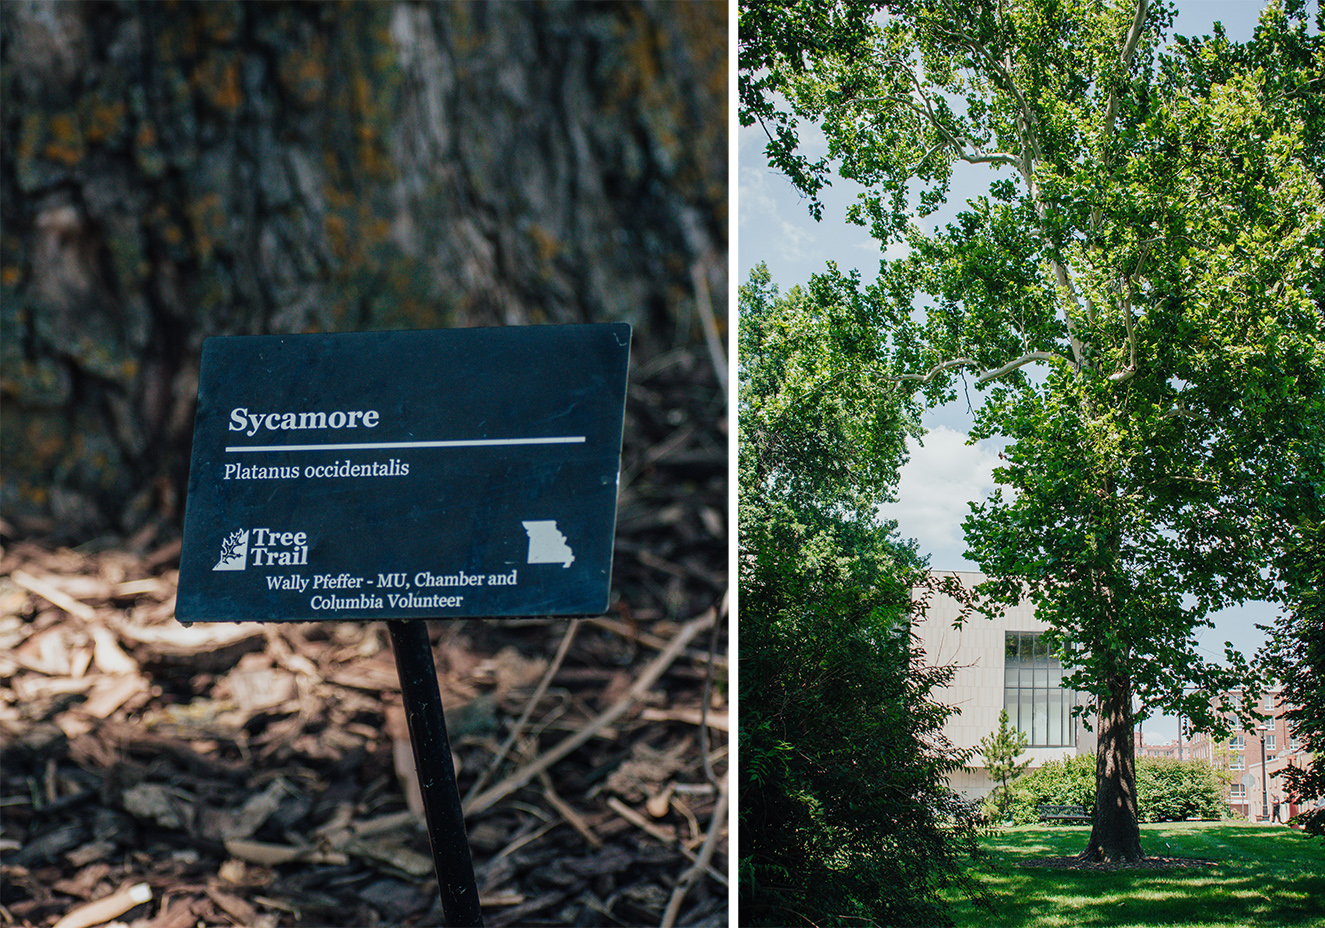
column 175, row 171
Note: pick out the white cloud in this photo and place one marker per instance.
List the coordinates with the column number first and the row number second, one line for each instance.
column 765, row 232
column 936, row 484
column 774, row 222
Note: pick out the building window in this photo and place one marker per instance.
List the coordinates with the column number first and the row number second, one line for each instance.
column 1236, row 763
column 1033, row 694
column 1239, row 791
column 1239, row 743
column 1294, row 744
column 1269, row 741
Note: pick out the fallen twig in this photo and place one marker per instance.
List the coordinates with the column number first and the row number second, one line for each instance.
column 643, row 824
column 707, row 695
column 647, row 679
column 701, row 864
column 567, row 812
column 52, row 595
column 551, row 672
column 111, row 907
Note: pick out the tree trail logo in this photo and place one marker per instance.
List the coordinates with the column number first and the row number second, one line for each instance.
column 234, row 551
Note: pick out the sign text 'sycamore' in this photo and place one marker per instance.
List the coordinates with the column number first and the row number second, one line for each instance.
column 421, row 474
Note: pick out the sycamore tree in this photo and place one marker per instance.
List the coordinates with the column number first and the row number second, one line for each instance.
column 1135, row 306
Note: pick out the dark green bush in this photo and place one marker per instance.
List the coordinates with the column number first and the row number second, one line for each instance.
column 846, row 814
column 1166, row 789
column 1171, row 790
column 1070, row 781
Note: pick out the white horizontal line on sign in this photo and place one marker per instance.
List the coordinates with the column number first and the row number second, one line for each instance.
column 463, row 443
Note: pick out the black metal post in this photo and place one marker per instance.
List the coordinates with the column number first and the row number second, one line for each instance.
column 432, row 760
column 1265, row 795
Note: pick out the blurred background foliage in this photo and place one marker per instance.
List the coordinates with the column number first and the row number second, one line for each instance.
column 176, row 170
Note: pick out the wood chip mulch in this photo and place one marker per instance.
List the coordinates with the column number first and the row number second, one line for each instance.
column 163, row 776
column 1146, row 863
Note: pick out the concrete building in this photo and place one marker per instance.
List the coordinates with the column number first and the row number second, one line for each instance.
column 1000, row 663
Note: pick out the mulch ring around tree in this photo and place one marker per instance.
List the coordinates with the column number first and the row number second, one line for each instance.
column 1145, row 863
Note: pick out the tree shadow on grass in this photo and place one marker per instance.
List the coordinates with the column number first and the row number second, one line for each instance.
column 1259, row 878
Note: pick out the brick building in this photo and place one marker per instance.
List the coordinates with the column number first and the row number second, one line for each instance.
column 1170, row 749
column 1256, row 758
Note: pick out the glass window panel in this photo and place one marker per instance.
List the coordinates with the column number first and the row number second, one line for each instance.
column 1040, row 720
column 1269, row 741
column 1056, row 717
column 1033, row 693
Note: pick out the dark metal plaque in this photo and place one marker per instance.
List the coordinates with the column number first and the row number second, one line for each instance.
column 396, row 475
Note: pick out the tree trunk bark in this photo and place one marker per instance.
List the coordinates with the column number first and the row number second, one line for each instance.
column 1115, row 835
column 174, row 171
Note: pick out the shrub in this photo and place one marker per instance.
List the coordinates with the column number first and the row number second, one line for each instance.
column 1166, row 789
column 846, row 814
column 1070, row 781
column 1171, row 790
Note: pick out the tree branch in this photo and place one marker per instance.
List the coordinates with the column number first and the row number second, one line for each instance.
column 1181, row 410
column 1024, row 163
column 1065, row 284
column 1202, row 480
column 959, row 144
column 934, row 372
column 1027, row 128
column 1130, row 370
column 1000, row 70
column 992, row 374
column 1111, row 109
column 1125, row 59
column 989, row 158
column 1021, row 362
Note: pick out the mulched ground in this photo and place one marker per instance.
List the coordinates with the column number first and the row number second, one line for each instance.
column 261, row 775
column 1146, row 863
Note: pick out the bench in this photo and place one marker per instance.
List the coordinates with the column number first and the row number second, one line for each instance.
column 1063, row 814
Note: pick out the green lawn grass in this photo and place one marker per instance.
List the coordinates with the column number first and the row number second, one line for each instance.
column 1263, row 877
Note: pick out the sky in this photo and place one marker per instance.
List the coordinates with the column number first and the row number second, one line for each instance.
column 946, row 473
